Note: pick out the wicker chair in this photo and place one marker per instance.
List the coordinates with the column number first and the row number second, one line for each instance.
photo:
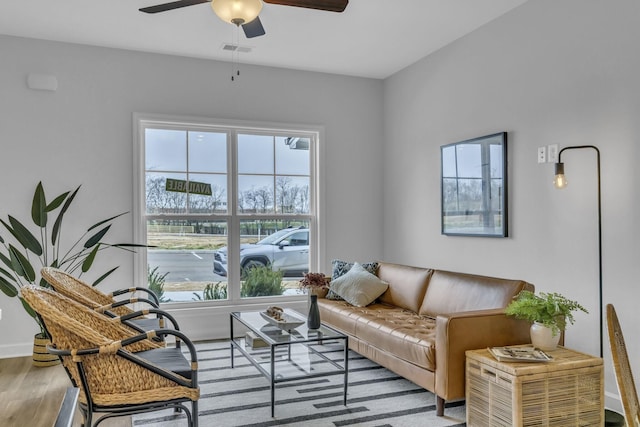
column 85, row 294
column 118, row 372
column 624, row 376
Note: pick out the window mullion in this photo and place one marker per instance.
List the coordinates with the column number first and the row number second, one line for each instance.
column 274, row 177
column 233, row 253
column 187, row 172
column 314, row 244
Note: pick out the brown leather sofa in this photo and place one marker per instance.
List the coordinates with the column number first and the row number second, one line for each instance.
column 422, row 325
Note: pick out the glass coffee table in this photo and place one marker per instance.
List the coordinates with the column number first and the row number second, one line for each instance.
column 291, row 352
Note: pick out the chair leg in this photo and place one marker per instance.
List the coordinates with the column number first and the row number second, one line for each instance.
column 194, row 413
column 86, row 417
column 439, row 406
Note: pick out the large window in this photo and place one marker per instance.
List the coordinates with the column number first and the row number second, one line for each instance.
column 229, row 211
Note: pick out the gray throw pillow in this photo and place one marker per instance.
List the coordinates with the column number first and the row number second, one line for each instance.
column 340, row 268
column 359, row 287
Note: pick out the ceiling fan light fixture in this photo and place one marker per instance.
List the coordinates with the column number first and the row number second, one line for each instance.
column 237, row 12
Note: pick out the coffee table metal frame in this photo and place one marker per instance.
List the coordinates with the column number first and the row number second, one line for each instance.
column 299, row 335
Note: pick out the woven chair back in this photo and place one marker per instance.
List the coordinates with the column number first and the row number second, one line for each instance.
column 80, row 291
column 624, row 376
column 72, row 326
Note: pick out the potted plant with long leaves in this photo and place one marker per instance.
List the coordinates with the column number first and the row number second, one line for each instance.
column 24, row 252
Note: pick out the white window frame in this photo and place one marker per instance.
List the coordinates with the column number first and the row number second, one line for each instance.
column 141, row 121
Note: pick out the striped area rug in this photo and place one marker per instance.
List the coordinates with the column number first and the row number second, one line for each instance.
column 241, row 396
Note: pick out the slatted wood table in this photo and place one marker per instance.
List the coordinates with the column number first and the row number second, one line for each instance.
column 567, row 391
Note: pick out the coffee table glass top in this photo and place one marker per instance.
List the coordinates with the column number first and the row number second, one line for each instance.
column 274, row 334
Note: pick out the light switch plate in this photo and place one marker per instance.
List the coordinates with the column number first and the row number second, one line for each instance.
column 552, row 153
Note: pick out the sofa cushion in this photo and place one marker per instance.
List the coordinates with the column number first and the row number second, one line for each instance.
column 394, row 330
column 407, row 285
column 358, row 287
column 340, row 268
column 456, row 292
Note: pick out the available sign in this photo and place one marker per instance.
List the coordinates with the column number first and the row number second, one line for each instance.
column 193, row 187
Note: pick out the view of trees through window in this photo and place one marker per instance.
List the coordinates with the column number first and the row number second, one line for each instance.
column 228, row 213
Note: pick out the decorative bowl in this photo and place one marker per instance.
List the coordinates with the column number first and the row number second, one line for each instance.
column 287, row 323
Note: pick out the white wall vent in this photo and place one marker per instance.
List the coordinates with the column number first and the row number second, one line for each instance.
column 236, row 48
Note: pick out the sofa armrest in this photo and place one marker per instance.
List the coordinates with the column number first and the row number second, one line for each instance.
column 471, row 330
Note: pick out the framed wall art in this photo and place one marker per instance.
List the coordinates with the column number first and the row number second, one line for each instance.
column 474, row 187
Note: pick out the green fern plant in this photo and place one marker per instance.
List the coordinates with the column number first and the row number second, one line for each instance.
column 550, row 309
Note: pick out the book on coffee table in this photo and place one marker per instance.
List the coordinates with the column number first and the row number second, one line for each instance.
column 519, row 354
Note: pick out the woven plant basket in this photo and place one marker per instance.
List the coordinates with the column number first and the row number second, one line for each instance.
column 41, row 356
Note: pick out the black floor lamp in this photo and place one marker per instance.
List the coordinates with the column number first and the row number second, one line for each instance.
column 611, row 418
column 561, row 182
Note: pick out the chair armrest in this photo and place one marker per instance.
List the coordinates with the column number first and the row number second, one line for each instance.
column 134, row 300
column 129, row 320
column 106, row 309
column 152, row 295
column 471, row 330
column 160, row 313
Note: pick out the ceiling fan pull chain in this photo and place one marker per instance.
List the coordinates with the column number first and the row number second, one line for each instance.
column 235, row 54
column 233, row 67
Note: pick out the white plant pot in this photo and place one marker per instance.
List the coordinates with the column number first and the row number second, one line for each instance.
column 542, row 337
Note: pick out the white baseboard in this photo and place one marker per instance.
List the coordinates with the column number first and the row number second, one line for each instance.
column 612, row 401
column 16, row 350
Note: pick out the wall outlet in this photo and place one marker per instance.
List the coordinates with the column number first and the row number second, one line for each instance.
column 552, row 153
column 542, row 154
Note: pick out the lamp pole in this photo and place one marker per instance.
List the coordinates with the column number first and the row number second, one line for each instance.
column 561, row 182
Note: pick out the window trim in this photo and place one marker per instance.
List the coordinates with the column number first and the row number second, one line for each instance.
column 317, row 257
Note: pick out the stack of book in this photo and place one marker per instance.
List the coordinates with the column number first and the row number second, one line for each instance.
column 254, row 340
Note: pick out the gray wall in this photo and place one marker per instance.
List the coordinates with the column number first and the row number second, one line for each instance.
column 548, row 72
column 82, row 134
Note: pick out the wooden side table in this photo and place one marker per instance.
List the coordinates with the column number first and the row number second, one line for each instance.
column 567, row 391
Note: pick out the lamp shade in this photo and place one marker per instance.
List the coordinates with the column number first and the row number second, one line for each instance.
column 237, row 11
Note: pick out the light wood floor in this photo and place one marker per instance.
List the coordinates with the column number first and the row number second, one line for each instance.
column 31, row 397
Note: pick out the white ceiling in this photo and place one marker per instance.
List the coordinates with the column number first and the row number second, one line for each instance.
column 372, row 38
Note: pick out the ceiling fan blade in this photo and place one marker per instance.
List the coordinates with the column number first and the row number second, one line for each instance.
column 170, row 6
column 253, row 28
column 329, row 5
